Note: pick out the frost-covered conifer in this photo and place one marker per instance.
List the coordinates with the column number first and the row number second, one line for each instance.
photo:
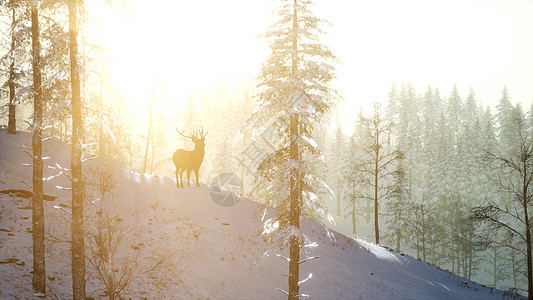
column 294, row 95
column 397, row 210
column 335, row 166
column 223, row 163
column 190, row 120
column 504, row 122
column 350, row 174
column 15, row 67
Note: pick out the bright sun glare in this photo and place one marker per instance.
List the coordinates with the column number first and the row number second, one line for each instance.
column 189, row 45
column 181, row 45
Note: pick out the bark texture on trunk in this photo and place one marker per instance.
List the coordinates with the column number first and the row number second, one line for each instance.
column 39, row 268
column 294, row 218
column 12, row 120
column 294, row 205
column 528, row 233
column 376, row 189
column 77, row 232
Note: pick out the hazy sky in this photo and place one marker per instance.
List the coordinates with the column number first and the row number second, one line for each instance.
column 483, row 44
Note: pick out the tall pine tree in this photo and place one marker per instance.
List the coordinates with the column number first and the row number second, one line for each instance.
column 336, row 164
column 295, row 94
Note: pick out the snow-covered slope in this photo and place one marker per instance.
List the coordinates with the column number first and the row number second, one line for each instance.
column 215, row 252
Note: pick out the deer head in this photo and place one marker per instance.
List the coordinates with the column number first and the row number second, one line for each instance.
column 198, row 138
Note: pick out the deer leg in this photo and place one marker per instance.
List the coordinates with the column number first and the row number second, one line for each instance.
column 188, row 177
column 177, row 178
column 181, row 178
column 197, row 182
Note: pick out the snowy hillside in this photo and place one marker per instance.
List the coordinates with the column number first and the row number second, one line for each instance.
column 209, row 251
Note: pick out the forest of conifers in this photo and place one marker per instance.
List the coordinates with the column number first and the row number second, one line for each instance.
column 443, row 170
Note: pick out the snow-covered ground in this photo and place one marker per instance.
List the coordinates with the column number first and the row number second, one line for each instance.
column 205, row 251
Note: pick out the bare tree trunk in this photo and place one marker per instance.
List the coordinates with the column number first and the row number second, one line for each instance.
column 458, row 260
column 465, row 263
column 453, row 257
column 433, row 251
column 525, row 199
column 354, row 228
column 514, row 264
column 77, row 232
column 376, row 208
column 470, row 250
column 39, row 269
column 149, row 132
column 529, row 262
column 339, row 182
column 399, row 235
column 423, row 232
column 368, row 210
column 294, row 267
column 417, row 232
column 12, row 121
column 152, row 157
column 495, row 265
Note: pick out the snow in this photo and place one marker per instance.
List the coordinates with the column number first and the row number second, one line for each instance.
column 218, row 251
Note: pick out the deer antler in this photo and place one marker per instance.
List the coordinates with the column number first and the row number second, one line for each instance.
column 202, row 135
column 181, row 133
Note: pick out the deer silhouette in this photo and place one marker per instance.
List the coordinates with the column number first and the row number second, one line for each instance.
column 189, row 160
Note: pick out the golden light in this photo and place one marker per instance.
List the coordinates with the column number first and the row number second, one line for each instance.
column 196, row 46
column 183, row 45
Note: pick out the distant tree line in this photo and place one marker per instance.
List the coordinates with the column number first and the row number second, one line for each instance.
column 449, row 192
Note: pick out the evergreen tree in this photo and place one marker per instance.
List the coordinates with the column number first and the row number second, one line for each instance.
column 429, row 148
column 55, row 60
column 190, row 120
column 12, row 121
column 392, row 109
column 362, row 141
column 14, row 67
column 223, row 162
column 470, row 111
column 530, row 120
column 295, row 94
column 504, row 122
column 453, row 111
column 350, row 175
column 409, row 136
column 488, row 135
column 336, row 164
column 444, row 143
column 397, row 209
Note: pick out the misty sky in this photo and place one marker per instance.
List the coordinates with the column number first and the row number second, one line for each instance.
column 483, row 44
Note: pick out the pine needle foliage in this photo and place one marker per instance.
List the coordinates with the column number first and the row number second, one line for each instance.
column 294, row 84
